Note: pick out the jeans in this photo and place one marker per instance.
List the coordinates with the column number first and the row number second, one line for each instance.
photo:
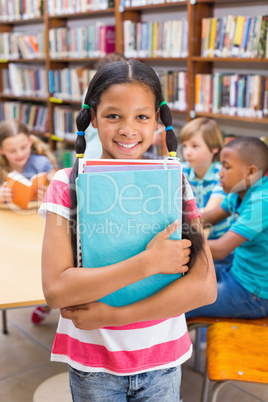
column 233, row 301
column 159, row 385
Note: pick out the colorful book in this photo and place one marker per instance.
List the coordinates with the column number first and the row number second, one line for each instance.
column 120, row 211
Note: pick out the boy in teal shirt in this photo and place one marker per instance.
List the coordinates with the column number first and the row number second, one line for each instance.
column 243, row 286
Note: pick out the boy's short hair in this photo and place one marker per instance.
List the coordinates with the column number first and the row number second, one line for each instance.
column 209, row 130
column 252, row 151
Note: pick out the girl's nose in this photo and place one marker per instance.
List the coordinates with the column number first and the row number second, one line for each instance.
column 128, row 130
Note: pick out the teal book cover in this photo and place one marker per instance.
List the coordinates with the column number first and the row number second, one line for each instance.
column 118, row 215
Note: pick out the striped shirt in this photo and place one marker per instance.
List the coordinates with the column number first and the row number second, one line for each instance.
column 205, row 188
column 125, row 350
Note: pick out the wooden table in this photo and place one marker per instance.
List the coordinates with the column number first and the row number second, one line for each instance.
column 21, row 234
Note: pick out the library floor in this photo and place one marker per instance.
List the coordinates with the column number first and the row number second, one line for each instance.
column 24, row 364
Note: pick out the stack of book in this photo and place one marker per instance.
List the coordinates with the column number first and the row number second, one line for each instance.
column 122, row 205
column 235, row 36
column 92, row 41
column 70, row 83
column 156, row 39
column 11, row 10
column 16, row 45
column 35, row 117
column 232, row 94
column 22, row 80
column 61, row 7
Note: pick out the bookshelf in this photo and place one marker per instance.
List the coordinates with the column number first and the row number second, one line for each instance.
column 116, row 14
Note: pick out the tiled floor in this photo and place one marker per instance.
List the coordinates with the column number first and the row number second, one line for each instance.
column 24, row 364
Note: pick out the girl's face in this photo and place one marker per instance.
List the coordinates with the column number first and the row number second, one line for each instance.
column 126, row 120
column 197, row 153
column 17, row 150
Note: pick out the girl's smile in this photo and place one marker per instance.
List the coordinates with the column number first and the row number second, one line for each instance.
column 126, row 120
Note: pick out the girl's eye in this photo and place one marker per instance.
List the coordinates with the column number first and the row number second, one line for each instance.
column 113, row 116
column 142, row 117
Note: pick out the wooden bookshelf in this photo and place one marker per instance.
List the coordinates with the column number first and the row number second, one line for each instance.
column 197, row 64
column 220, row 116
column 157, row 6
column 83, row 15
column 229, row 60
column 22, row 22
column 194, row 63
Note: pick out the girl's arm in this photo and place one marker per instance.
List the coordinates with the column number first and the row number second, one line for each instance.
column 66, row 285
column 197, row 288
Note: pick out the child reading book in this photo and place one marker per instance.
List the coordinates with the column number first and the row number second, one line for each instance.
column 243, row 284
column 23, row 153
column 26, row 154
column 134, row 351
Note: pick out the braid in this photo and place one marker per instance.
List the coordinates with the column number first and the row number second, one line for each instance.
column 188, row 231
column 82, row 122
column 166, row 118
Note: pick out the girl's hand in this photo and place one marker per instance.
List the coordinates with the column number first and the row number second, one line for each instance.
column 169, row 256
column 41, row 191
column 6, row 193
column 90, row 316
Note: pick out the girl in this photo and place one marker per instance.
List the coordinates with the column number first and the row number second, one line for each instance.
column 202, row 142
column 26, row 154
column 132, row 352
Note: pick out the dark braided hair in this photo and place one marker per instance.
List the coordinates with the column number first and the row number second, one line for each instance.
column 116, row 73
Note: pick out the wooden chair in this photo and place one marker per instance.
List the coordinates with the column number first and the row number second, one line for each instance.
column 235, row 352
column 200, row 322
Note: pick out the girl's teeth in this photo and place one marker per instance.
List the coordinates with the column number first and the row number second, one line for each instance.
column 127, row 145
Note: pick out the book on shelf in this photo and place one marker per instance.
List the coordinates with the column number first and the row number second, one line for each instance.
column 16, row 10
column 174, row 87
column 232, row 94
column 156, row 39
column 122, row 205
column 64, row 123
column 24, row 80
column 234, row 36
column 70, row 83
column 25, row 190
column 92, row 41
column 23, row 111
column 61, row 7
